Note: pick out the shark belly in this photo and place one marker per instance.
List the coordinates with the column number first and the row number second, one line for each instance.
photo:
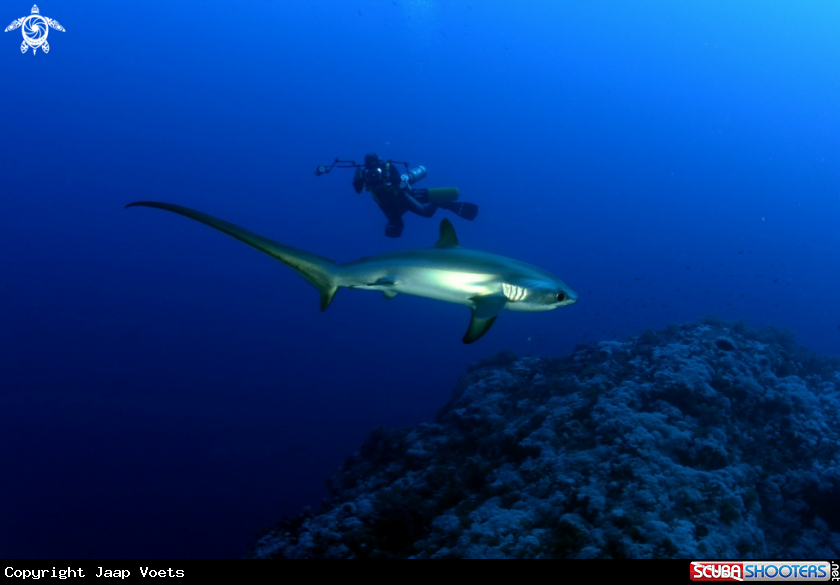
column 434, row 283
column 451, row 285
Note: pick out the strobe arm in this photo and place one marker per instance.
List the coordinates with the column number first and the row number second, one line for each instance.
column 348, row 164
column 337, row 163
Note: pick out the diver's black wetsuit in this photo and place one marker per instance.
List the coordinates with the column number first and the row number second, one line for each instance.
column 383, row 180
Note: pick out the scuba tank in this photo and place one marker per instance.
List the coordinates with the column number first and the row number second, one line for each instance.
column 442, row 194
column 412, row 175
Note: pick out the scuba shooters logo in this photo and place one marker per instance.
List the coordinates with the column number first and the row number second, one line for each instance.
column 797, row 571
column 35, row 29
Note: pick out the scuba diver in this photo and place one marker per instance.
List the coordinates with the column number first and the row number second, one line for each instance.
column 394, row 194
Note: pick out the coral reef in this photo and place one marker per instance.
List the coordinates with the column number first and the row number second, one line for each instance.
column 707, row 440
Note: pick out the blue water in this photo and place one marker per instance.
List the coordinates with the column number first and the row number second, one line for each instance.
column 166, row 391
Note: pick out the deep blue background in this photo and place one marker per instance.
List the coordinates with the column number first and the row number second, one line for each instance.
column 166, row 390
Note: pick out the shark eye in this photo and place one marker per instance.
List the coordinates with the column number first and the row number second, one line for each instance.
column 561, row 296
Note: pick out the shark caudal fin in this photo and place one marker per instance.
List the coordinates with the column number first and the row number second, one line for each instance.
column 316, row 270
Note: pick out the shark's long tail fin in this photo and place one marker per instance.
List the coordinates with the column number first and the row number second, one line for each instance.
column 317, row 270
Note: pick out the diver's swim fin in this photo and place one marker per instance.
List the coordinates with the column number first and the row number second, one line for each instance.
column 462, row 209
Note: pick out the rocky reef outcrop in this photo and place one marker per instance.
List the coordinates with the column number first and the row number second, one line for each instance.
column 707, row 440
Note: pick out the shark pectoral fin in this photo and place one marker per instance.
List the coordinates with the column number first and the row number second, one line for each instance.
column 478, row 327
column 389, row 294
column 487, row 308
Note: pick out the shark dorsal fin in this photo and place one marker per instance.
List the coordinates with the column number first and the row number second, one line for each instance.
column 447, row 235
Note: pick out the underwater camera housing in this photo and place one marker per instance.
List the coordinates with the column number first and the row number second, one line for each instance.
column 412, row 175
